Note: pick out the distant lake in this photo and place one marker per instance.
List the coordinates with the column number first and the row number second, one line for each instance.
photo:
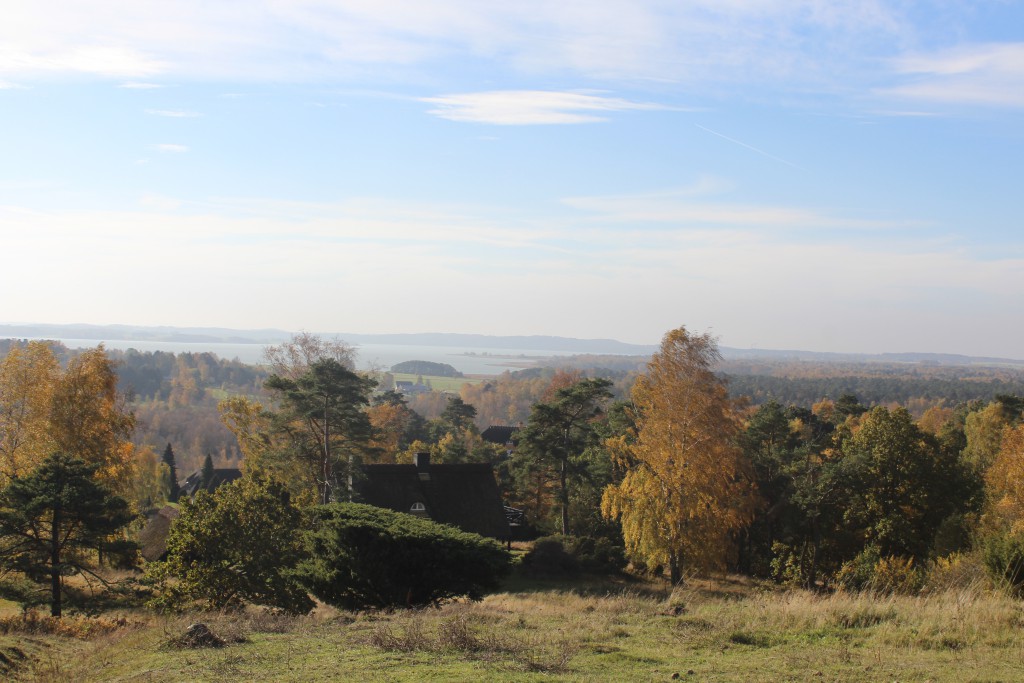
column 468, row 360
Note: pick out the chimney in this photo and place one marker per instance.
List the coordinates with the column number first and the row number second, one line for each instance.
column 422, row 462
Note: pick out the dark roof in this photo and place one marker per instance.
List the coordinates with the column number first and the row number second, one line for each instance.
column 221, row 476
column 153, row 539
column 463, row 495
column 499, row 434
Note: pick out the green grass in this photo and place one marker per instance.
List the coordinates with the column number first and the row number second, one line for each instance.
column 453, row 384
column 727, row 630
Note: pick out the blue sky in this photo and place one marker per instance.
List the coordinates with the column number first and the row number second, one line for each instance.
column 833, row 176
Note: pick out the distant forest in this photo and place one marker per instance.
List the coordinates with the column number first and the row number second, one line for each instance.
column 175, row 396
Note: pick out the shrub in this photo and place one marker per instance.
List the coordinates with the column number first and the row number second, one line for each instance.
column 856, row 574
column 559, row 555
column 361, row 556
column 869, row 571
column 957, row 571
column 1003, row 554
column 549, row 557
column 897, row 575
column 232, row 547
column 598, row 554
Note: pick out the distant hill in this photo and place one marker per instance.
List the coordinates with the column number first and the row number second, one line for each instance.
column 220, row 335
column 213, row 335
column 537, row 343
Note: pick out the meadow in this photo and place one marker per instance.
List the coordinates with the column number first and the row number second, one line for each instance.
column 724, row 629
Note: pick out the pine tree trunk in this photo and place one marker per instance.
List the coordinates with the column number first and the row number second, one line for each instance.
column 55, row 606
column 564, row 495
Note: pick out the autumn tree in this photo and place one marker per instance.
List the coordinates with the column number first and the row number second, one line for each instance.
column 557, row 434
column 395, row 425
column 55, row 519
column 1005, row 484
column 28, row 375
column 88, row 417
column 686, row 487
column 293, row 358
column 44, row 409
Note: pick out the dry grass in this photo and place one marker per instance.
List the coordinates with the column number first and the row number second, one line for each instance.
column 725, row 629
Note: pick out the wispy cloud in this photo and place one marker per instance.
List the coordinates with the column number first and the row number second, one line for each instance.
column 173, row 113
column 101, row 60
column 137, row 85
column 530, row 107
column 985, row 74
column 170, row 148
column 301, row 40
column 750, row 147
column 683, row 209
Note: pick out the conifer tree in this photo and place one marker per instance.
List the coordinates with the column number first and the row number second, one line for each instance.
column 173, row 491
column 54, row 519
column 206, row 474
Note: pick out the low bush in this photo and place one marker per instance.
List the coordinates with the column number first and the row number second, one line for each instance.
column 889, row 575
column 1003, row 554
column 549, row 557
column 567, row 555
column 361, row 556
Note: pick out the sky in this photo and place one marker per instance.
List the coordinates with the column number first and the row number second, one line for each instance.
column 825, row 175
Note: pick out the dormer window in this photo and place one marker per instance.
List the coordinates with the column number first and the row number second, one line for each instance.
column 418, row 509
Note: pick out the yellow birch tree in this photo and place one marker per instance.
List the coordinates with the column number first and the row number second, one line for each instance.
column 27, row 378
column 90, row 420
column 1005, row 483
column 686, row 488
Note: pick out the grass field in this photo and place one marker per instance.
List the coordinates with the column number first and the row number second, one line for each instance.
column 722, row 630
column 436, row 383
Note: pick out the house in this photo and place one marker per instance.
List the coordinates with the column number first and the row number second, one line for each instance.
column 463, row 495
column 221, row 475
column 153, row 539
column 502, row 436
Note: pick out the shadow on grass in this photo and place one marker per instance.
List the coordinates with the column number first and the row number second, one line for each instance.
column 587, row 585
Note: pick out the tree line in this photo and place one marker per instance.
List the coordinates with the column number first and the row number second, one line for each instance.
column 672, row 474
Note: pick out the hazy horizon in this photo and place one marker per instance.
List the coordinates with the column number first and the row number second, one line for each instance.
column 833, row 177
column 473, row 342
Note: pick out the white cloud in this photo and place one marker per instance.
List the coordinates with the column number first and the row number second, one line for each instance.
column 529, row 107
column 300, row 40
column 138, row 85
column 989, row 74
column 170, row 148
column 99, row 60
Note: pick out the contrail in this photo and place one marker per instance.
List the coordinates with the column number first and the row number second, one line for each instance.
column 743, row 144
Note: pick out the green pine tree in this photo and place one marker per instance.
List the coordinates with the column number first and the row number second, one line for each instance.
column 55, row 520
column 173, row 490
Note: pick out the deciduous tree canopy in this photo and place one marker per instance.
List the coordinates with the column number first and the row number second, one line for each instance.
column 686, row 487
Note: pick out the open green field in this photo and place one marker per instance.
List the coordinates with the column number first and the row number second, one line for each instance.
column 436, row 383
column 723, row 630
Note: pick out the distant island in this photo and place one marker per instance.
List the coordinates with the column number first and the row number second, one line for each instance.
column 425, row 367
